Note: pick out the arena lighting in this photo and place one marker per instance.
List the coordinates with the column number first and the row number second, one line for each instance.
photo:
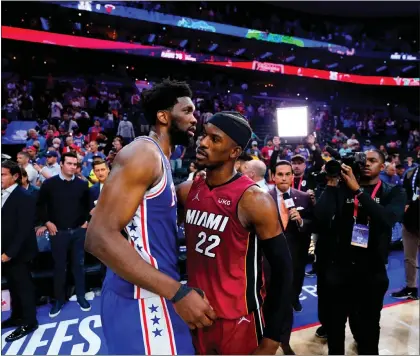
column 380, row 69
column 20, row 34
column 290, row 59
column 266, row 55
column 213, row 47
column 315, row 61
column 240, row 51
column 292, row 122
column 333, row 65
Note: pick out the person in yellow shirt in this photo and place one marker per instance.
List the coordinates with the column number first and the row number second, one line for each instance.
column 92, row 178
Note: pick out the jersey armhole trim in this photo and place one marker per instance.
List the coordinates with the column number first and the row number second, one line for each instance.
column 158, row 188
column 240, row 198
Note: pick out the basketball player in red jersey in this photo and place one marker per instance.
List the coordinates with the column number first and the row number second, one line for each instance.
column 223, row 214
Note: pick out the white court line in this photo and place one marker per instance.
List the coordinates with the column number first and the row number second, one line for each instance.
column 413, row 328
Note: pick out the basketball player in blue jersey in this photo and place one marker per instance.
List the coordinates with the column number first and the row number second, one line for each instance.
column 145, row 309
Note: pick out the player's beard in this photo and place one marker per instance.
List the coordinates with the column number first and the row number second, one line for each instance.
column 178, row 136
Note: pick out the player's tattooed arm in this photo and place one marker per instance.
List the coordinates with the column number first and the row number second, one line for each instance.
column 131, row 176
column 182, row 191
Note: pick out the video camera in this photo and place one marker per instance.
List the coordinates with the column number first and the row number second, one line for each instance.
column 355, row 160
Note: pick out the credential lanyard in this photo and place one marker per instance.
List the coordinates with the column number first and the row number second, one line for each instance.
column 300, row 183
column 413, row 181
column 356, row 201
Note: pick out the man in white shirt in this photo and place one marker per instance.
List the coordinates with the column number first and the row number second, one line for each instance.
column 23, row 161
column 51, row 169
column 256, row 170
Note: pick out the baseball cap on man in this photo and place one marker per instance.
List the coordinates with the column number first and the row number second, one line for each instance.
column 51, row 154
column 298, row 158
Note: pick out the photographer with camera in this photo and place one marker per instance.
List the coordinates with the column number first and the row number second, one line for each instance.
column 357, row 211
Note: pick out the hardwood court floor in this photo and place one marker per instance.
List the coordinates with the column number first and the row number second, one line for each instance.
column 399, row 334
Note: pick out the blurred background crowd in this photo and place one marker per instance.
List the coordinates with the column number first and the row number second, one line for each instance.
column 61, row 99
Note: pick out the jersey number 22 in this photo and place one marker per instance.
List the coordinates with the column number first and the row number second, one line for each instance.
column 215, row 241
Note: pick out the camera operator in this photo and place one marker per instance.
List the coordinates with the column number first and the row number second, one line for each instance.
column 358, row 218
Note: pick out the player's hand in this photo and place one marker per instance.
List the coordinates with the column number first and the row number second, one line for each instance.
column 195, row 310
column 294, row 215
column 267, row 347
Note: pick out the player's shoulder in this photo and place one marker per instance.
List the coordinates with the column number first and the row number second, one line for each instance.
column 140, row 151
column 141, row 159
column 254, row 198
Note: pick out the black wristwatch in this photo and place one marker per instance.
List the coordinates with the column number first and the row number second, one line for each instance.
column 358, row 192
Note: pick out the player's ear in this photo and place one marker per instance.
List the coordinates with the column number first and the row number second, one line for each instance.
column 163, row 118
column 236, row 152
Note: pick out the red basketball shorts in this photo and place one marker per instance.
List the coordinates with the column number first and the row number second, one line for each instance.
column 230, row 337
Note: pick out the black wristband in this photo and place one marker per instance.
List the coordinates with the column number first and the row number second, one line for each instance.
column 183, row 291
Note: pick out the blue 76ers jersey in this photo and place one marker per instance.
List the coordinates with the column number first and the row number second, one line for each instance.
column 152, row 232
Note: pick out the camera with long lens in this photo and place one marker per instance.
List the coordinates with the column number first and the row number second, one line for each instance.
column 355, row 160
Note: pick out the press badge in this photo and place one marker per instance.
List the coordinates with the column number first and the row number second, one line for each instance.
column 416, row 194
column 360, row 235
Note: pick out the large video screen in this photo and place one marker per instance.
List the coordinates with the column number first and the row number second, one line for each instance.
column 292, row 122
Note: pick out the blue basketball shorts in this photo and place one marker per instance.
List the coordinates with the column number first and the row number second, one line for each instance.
column 143, row 326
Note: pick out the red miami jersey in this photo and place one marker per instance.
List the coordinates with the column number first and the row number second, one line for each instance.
column 223, row 258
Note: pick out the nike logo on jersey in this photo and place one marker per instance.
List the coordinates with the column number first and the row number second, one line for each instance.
column 208, row 220
column 243, row 319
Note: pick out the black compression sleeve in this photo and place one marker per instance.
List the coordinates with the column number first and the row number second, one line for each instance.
column 279, row 296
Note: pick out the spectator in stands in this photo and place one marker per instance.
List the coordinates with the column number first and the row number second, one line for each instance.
column 32, row 189
column 267, row 151
column 56, row 108
column 95, row 130
column 64, row 209
column 117, row 145
column 176, row 158
column 32, row 152
column 400, row 173
column 69, row 142
column 88, row 160
column 26, row 106
column 23, row 159
column 389, row 175
column 256, row 170
column 254, row 151
column 51, row 169
column 409, row 163
column 33, row 136
column 78, row 137
column 192, row 170
column 126, row 130
column 18, row 248
column 368, row 146
column 344, row 150
column 241, row 161
column 67, row 125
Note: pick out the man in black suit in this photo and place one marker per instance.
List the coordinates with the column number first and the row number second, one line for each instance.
column 295, row 214
column 19, row 247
